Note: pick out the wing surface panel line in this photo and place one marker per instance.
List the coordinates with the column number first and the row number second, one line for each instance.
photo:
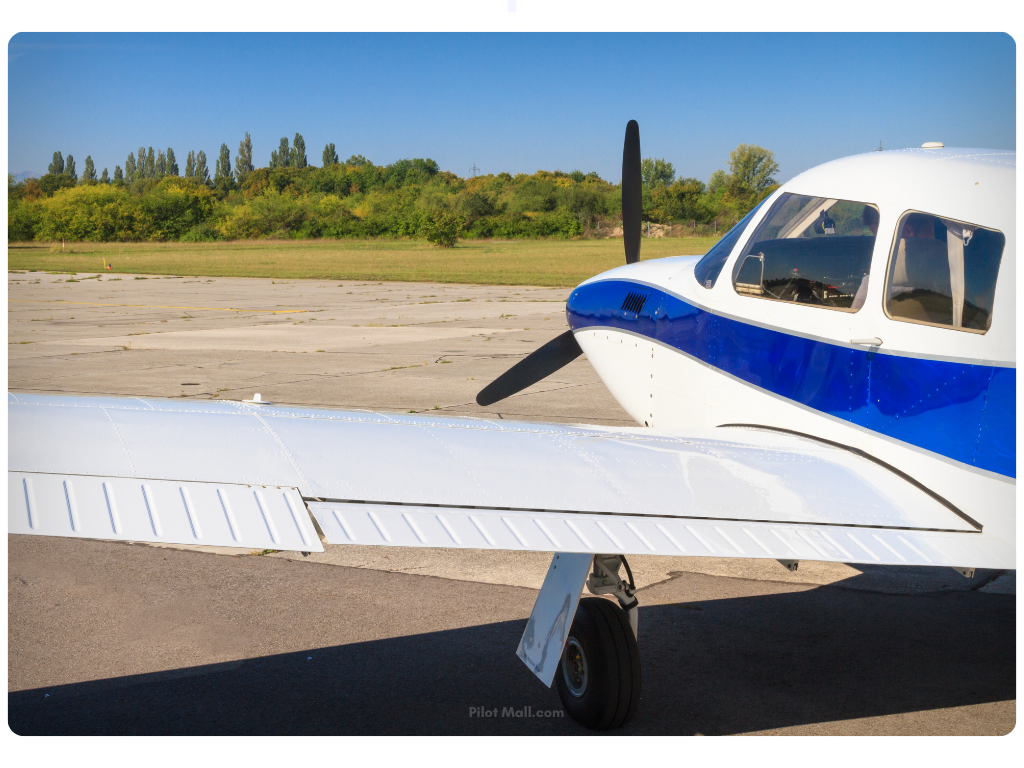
column 29, row 502
column 284, row 449
column 861, row 544
column 497, row 510
column 295, row 519
column 885, row 544
column 69, row 497
column 154, row 519
column 193, row 522
column 108, row 495
column 127, row 453
column 875, row 460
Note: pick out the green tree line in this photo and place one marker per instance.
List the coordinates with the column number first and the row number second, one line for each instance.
column 152, row 199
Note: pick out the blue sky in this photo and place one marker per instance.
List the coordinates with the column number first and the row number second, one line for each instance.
column 507, row 102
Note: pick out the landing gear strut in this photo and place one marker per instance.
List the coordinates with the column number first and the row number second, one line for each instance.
column 599, row 676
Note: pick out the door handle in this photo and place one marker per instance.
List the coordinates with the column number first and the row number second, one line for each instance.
column 874, row 341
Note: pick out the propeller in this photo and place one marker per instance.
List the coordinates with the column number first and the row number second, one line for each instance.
column 538, row 365
column 632, row 192
column 563, row 349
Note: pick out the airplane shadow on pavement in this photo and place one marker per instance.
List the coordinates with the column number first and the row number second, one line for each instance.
column 711, row 667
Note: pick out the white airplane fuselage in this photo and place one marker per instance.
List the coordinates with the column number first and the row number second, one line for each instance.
column 936, row 403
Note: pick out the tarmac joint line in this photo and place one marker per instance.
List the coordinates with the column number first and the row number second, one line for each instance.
column 155, row 306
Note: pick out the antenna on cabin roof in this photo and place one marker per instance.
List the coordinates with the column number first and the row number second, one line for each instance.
column 879, row 146
column 474, row 170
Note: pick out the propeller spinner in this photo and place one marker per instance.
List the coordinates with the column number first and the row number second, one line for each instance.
column 563, row 349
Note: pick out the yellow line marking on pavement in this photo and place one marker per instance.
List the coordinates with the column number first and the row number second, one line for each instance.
column 154, row 306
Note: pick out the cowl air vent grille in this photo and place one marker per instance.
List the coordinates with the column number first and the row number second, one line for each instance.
column 634, row 302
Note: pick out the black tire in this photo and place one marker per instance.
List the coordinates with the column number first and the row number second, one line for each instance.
column 598, row 678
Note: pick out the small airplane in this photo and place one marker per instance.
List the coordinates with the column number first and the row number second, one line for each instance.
column 834, row 380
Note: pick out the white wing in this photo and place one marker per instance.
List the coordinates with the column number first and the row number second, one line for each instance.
column 244, row 475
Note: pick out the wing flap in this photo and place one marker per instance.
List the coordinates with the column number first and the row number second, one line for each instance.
column 130, row 509
column 418, row 526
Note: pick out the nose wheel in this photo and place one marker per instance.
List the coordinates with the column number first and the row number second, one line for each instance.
column 599, row 676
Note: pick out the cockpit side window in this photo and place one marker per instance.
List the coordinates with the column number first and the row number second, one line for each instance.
column 943, row 272
column 708, row 268
column 810, row 250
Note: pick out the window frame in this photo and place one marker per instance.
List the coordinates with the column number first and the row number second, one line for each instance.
column 889, row 269
column 749, row 218
column 740, row 258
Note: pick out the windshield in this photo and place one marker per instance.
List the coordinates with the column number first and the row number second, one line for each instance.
column 708, row 268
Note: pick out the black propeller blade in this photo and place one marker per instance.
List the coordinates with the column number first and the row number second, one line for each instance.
column 632, row 192
column 562, row 350
column 538, row 365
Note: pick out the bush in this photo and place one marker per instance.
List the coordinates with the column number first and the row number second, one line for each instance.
column 22, row 220
column 256, row 183
column 443, row 230
column 97, row 213
column 268, row 214
column 176, row 206
column 104, row 212
column 201, row 233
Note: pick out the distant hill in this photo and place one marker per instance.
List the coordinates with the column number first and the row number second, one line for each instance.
column 27, row 175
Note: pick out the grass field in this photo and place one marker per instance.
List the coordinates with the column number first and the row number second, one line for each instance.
column 555, row 263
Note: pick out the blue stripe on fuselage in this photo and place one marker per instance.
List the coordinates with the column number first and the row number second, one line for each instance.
column 962, row 411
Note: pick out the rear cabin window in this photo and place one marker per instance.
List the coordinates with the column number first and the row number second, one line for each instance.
column 810, row 250
column 943, row 272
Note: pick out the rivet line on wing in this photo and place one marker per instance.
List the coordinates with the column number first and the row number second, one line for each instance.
column 117, row 431
column 284, row 448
